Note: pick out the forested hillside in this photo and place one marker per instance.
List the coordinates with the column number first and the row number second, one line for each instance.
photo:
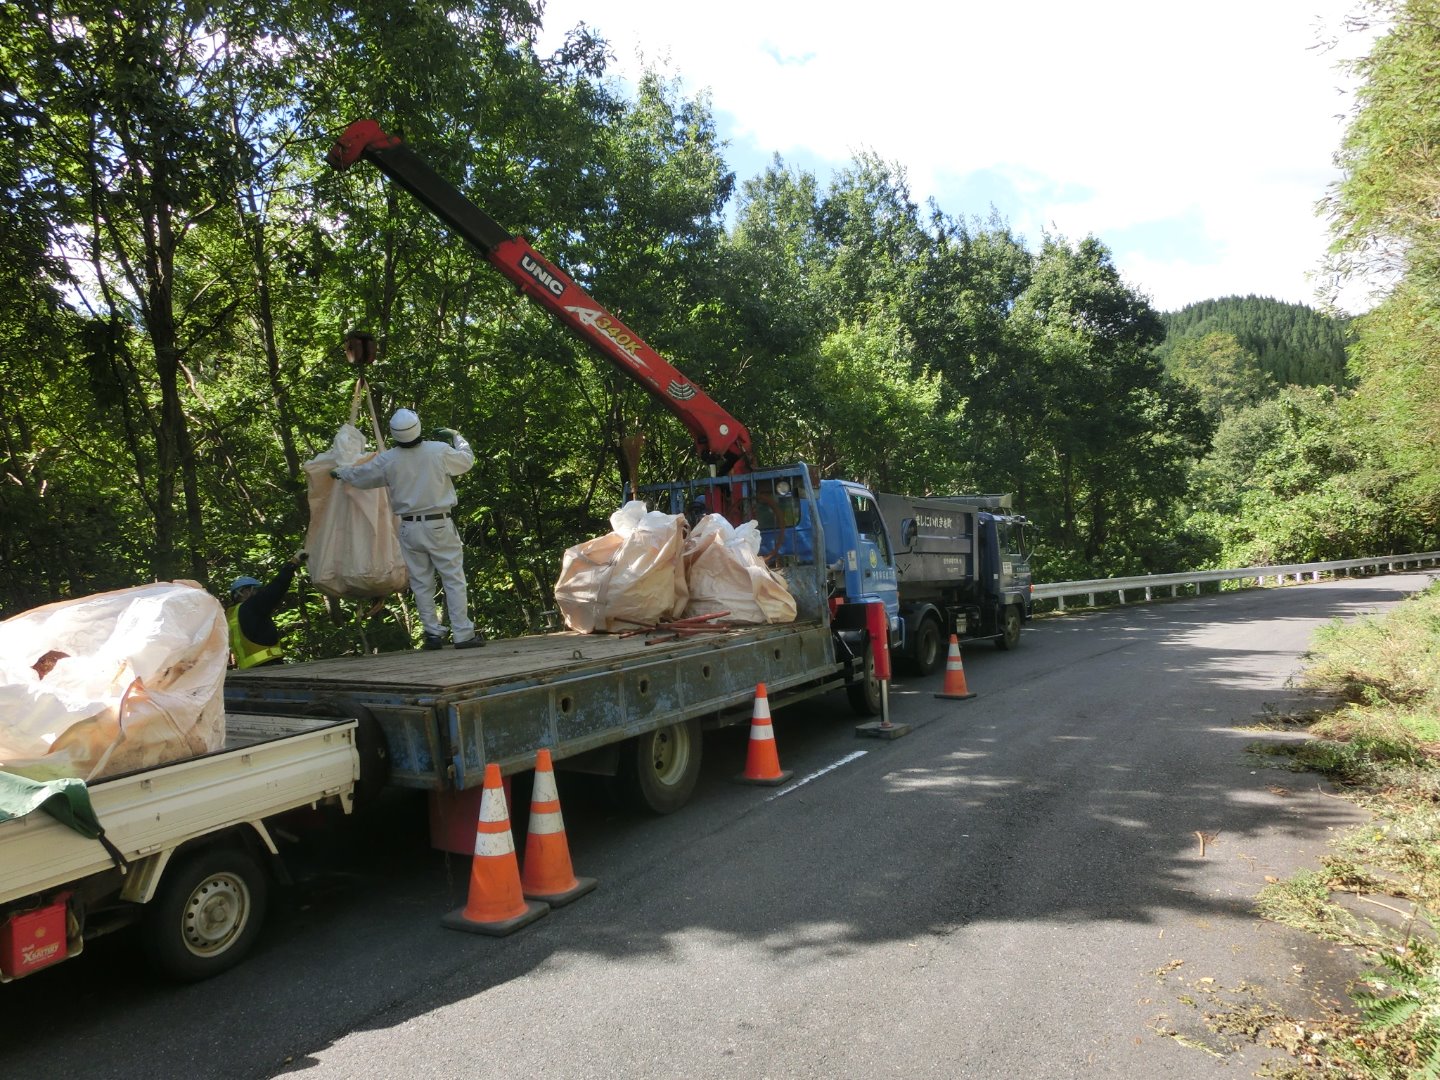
column 1294, row 344
column 182, row 268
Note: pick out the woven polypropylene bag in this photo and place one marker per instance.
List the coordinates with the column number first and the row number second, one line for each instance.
column 354, row 538
column 633, row 576
column 113, row 682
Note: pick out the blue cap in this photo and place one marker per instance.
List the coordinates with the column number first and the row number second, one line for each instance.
column 242, row 583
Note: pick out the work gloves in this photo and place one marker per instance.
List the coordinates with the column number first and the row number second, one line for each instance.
column 444, row 434
column 298, row 559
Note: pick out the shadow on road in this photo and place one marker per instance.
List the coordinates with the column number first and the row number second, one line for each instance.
column 1075, row 788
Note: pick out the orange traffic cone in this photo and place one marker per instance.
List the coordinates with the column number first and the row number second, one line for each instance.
column 547, row 874
column 496, row 905
column 954, row 685
column 762, row 763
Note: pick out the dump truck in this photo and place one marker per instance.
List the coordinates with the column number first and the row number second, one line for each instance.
column 186, row 849
column 962, row 569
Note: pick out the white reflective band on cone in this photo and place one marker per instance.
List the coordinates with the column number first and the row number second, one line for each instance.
column 497, row 843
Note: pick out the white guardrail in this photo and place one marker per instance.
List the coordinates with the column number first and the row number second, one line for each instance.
column 1148, row 583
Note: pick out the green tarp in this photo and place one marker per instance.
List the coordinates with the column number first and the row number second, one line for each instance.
column 66, row 800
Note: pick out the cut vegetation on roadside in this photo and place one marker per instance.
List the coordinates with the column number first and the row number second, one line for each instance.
column 1379, row 889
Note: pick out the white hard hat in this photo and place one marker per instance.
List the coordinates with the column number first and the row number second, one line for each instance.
column 405, row 426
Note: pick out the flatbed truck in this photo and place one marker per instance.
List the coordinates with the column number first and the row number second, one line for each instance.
column 632, row 706
column 629, row 706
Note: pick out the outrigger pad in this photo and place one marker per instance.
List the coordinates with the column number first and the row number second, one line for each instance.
column 876, row 729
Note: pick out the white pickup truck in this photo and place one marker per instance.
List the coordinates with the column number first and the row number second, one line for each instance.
column 187, row 852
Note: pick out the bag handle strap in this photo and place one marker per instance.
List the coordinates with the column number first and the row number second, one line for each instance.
column 362, row 388
column 355, row 400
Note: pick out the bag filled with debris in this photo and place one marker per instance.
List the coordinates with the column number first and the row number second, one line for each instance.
column 724, row 572
column 113, row 682
column 633, row 576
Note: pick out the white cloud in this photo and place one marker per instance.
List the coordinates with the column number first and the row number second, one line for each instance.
column 1194, row 141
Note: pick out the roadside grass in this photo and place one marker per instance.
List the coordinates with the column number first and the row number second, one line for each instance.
column 1382, row 747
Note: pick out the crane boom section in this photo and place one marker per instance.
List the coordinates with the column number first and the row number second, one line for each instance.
column 719, row 438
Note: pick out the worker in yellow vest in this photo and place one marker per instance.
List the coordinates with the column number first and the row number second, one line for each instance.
column 254, row 637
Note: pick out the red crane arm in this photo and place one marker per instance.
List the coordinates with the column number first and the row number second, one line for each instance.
column 719, row 438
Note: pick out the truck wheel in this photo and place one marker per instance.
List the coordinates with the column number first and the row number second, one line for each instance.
column 1010, row 632
column 929, row 653
column 374, row 754
column 865, row 694
column 207, row 914
column 659, row 770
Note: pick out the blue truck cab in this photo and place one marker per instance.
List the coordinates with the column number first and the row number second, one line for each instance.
column 939, row 566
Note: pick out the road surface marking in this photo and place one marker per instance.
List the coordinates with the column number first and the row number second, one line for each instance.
column 806, row 779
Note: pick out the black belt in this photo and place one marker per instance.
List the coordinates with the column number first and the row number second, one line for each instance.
column 423, row 517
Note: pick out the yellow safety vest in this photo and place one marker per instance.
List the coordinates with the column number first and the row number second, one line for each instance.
column 247, row 653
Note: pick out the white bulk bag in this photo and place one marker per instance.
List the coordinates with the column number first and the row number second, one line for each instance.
column 633, row 576
column 724, row 572
column 113, row 682
column 354, row 537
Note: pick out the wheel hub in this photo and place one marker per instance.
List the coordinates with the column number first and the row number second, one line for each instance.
column 215, row 914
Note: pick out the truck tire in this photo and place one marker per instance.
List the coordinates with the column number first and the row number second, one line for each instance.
column 206, row 915
column 865, row 694
column 370, row 747
column 1010, row 623
column 929, row 655
column 374, row 754
column 659, row 770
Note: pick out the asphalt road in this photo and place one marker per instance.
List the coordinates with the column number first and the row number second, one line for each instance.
column 1016, row 888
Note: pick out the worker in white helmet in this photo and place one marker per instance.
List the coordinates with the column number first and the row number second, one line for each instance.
column 419, row 473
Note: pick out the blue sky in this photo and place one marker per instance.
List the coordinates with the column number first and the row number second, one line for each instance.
column 1193, row 140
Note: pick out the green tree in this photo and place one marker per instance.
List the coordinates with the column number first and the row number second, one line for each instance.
column 1293, row 344
column 1117, row 434
column 1300, row 478
column 1224, row 374
column 1383, row 224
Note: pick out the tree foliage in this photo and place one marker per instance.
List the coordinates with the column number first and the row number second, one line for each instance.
column 1221, row 371
column 183, row 268
column 1383, row 219
column 1292, row 344
column 1301, row 478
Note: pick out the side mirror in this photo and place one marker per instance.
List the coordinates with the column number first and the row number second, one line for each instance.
column 909, row 533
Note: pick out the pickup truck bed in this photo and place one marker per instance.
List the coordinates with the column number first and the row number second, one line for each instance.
column 269, row 764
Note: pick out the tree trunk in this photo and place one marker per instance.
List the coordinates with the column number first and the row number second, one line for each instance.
column 265, row 318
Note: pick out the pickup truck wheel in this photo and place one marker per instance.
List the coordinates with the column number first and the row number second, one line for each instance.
column 659, row 770
column 1010, row 628
column 865, row 694
column 207, row 914
column 929, row 654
